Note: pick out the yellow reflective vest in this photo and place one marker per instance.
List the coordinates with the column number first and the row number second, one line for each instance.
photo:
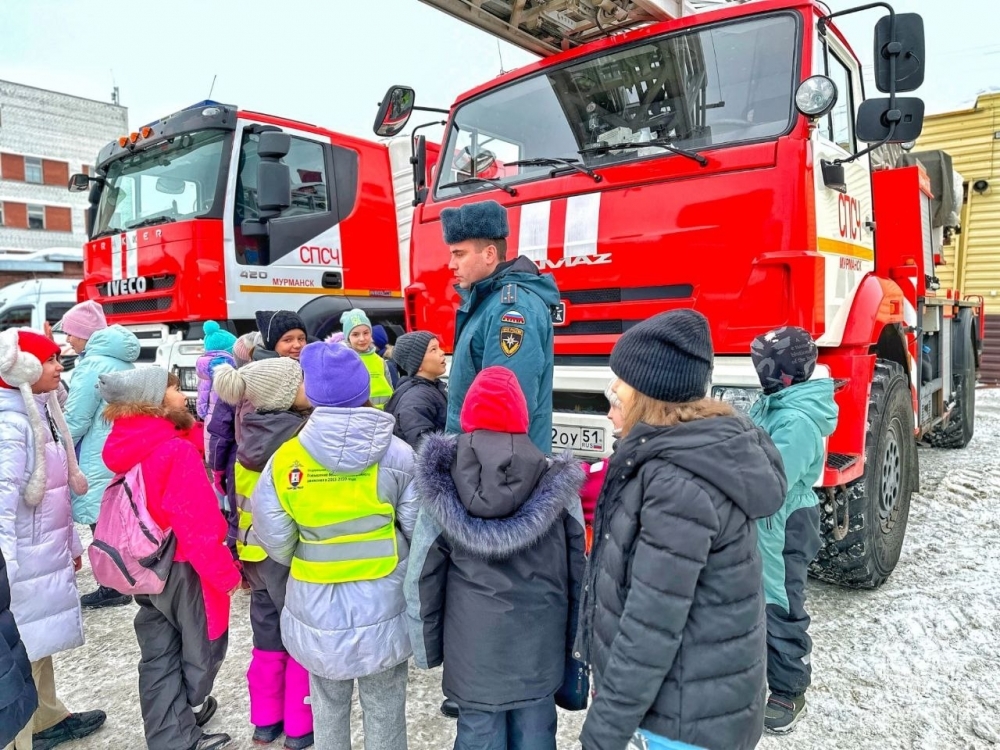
column 345, row 532
column 381, row 387
column 247, row 544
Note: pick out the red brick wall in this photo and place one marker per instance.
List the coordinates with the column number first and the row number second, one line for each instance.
column 15, row 215
column 12, row 167
column 58, row 219
column 55, row 172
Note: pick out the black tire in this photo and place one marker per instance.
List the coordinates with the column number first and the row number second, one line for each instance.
column 962, row 423
column 878, row 504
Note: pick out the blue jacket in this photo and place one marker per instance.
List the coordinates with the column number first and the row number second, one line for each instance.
column 110, row 350
column 798, row 419
column 506, row 320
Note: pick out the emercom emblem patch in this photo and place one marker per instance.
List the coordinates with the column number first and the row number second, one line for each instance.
column 510, row 339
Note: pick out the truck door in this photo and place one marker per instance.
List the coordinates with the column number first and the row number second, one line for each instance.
column 301, row 253
column 843, row 219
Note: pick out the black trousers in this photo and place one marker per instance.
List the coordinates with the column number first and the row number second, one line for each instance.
column 179, row 663
column 267, row 580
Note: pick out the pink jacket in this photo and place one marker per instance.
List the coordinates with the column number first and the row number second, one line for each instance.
column 179, row 496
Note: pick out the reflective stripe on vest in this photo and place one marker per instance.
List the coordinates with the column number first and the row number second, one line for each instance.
column 381, row 387
column 247, row 543
column 345, row 532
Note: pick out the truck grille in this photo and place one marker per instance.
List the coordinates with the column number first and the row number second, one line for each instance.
column 131, row 306
column 614, row 295
column 595, row 327
column 153, row 284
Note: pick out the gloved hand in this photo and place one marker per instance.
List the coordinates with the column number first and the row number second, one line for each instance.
column 219, row 482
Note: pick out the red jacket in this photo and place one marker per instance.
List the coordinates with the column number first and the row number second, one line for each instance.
column 179, row 496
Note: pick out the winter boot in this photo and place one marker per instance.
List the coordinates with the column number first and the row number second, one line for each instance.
column 104, row 597
column 212, row 742
column 783, row 712
column 266, row 681
column 206, row 711
column 449, row 708
column 265, row 735
column 298, row 712
column 73, row 727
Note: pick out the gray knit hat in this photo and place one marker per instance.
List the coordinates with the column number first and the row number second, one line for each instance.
column 667, row 357
column 268, row 384
column 143, row 385
column 410, row 350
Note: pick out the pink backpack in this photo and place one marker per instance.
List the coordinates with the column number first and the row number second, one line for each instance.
column 130, row 553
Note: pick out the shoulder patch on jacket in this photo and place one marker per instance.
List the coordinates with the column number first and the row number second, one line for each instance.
column 512, row 317
column 511, row 338
column 508, row 295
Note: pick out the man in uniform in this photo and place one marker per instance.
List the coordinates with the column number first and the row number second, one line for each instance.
column 506, row 314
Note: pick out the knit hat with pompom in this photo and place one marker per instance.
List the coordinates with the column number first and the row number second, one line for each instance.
column 268, row 384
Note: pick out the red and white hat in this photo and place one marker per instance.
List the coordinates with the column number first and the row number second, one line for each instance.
column 22, row 352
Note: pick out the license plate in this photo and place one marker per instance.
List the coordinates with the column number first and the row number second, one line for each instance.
column 578, row 438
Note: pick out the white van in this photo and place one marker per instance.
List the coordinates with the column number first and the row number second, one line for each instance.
column 33, row 303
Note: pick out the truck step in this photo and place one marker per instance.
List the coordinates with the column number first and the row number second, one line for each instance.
column 840, row 461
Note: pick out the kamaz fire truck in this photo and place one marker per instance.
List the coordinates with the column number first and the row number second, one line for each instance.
column 213, row 213
column 718, row 160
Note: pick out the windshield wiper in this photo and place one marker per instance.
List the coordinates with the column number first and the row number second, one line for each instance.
column 153, row 221
column 550, row 161
column 482, row 180
column 107, row 232
column 664, row 143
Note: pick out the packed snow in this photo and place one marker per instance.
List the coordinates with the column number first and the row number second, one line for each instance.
column 915, row 664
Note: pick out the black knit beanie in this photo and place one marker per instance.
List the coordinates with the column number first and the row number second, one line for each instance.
column 410, row 350
column 667, row 357
column 273, row 325
column 783, row 357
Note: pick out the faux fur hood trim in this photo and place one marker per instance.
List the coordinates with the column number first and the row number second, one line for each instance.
column 497, row 538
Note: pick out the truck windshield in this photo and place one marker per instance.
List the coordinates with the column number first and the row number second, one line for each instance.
column 172, row 180
column 727, row 83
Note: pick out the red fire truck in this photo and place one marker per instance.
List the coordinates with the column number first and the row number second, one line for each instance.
column 215, row 212
column 718, row 160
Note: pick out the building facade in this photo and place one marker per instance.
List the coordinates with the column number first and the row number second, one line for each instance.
column 45, row 137
column 972, row 137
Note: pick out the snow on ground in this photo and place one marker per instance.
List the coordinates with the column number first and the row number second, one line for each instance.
column 915, row 664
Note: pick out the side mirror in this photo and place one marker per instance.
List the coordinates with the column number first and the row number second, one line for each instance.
column 274, row 145
column 274, row 188
column 394, row 111
column 79, row 183
column 834, row 176
column 875, row 120
column 906, row 45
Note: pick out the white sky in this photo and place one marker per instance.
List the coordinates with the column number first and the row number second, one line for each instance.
column 329, row 62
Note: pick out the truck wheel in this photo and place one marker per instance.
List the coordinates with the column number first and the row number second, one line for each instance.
column 962, row 422
column 877, row 504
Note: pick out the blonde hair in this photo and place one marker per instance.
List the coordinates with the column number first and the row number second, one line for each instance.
column 665, row 414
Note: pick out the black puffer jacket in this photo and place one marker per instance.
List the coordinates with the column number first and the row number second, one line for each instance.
column 420, row 407
column 673, row 613
column 496, row 563
column 18, row 699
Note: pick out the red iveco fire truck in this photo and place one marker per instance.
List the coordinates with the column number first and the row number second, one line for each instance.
column 213, row 213
column 718, row 160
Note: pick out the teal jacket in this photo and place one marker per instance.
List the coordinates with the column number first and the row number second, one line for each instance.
column 506, row 320
column 798, row 419
column 110, row 350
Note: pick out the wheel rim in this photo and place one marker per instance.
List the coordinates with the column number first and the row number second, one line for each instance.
column 892, row 480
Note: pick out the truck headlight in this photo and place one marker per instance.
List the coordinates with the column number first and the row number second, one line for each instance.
column 188, row 377
column 738, row 398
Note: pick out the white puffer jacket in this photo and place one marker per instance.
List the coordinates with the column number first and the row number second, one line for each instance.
column 38, row 543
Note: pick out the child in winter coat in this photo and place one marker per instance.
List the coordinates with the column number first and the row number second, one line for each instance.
column 380, row 339
column 358, row 336
column 104, row 349
column 597, row 472
column 495, row 569
column 420, row 403
column 279, row 685
column 336, row 504
column 38, row 469
column 220, row 436
column 283, row 334
column 672, row 620
column 183, row 631
column 18, row 696
column 799, row 414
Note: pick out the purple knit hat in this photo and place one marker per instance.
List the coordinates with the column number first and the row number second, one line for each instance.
column 334, row 376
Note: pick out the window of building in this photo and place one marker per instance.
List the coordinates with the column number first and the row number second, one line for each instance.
column 36, row 217
column 16, row 317
column 33, row 169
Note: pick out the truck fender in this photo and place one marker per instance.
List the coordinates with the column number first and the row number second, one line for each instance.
column 878, row 303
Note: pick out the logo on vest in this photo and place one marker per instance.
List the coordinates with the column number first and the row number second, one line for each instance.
column 295, row 477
